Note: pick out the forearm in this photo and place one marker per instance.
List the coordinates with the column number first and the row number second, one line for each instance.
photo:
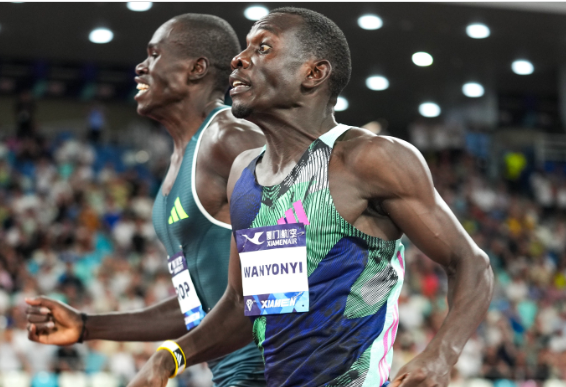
column 158, row 322
column 470, row 288
column 224, row 330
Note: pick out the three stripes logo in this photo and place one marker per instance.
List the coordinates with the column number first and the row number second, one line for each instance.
column 180, row 358
column 300, row 213
column 177, row 212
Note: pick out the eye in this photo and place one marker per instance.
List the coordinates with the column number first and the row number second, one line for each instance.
column 264, row 48
column 154, row 54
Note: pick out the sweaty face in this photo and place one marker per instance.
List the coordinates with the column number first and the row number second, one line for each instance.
column 162, row 75
column 268, row 74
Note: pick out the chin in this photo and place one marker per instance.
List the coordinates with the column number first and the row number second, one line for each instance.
column 241, row 111
column 143, row 109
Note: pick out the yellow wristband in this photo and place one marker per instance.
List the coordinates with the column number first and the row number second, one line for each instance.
column 178, row 356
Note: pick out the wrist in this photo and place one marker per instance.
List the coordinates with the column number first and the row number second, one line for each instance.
column 165, row 363
column 444, row 353
column 83, row 332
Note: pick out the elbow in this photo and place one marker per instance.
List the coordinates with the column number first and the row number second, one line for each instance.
column 484, row 274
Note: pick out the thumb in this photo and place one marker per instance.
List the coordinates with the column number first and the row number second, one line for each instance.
column 398, row 381
column 33, row 301
column 42, row 301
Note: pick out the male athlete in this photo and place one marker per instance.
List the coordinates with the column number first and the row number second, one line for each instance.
column 181, row 84
column 316, row 262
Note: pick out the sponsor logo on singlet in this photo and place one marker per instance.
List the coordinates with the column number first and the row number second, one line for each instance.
column 177, row 212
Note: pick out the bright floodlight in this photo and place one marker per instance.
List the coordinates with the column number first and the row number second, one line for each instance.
column 522, row 67
column 429, row 109
column 101, row 35
column 341, row 104
column 139, row 6
column 377, row 82
column 370, row 22
column 473, row 90
column 477, row 31
column 422, row 59
column 255, row 12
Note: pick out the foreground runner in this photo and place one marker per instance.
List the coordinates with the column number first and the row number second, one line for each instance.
column 317, row 261
column 182, row 85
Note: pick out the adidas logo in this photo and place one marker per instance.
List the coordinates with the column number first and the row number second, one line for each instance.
column 300, row 213
column 180, row 358
column 177, row 212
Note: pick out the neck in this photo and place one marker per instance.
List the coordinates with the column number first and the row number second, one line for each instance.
column 182, row 119
column 289, row 133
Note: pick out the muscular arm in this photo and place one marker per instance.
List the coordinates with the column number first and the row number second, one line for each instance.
column 52, row 322
column 225, row 329
column 403, row 187
column 162, row 321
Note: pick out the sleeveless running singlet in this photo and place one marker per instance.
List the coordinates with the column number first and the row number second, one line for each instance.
column 354, row 279
column 181, row 223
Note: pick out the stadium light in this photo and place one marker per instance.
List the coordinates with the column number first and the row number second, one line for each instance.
column 473, row 90
column 255, row 12
column 429, row 109
column 139, row 6
column 422, row 59
column 522, row 67
column 478, row 31
column 370, row 22
column 101, row 35
column 377, row 82
column 341, row 104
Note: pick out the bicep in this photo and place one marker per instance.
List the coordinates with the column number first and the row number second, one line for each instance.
column 415, row 206
column 429, row 223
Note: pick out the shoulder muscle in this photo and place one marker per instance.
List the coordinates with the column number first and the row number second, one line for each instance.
column 387, row 167
column 232, row 137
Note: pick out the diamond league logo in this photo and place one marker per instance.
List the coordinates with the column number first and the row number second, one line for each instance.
column 249, row 303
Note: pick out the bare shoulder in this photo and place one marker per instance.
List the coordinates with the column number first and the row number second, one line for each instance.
column 386, row 164
column 230, row 136
column 236, row 134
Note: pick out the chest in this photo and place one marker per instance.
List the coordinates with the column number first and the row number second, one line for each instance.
column 320, row 185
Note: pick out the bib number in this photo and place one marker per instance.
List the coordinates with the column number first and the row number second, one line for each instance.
column 273, row 260
column 186, row 294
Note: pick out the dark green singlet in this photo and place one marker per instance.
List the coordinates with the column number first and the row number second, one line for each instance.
column 181, row 222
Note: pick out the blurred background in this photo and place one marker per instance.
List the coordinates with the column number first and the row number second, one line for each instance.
column 479, row 88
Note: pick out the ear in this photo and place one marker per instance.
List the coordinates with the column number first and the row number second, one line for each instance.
column 318, row 72
column 198, row 69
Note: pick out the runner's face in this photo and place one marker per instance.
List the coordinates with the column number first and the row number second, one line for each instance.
column 268, row 74
column 162, row 76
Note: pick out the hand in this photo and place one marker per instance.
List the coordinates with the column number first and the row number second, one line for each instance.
column 424, row 370
column 156, row 372
column 52, row 322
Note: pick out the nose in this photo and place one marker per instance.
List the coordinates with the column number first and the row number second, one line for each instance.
column 141, row 68
column 240, row 60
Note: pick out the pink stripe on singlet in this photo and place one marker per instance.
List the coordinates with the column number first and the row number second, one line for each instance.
column 400, row 258
column 298, row 206
column 282, row 221
column 383, row 365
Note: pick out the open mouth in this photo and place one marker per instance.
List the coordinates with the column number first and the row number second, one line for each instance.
column 239, row 86
column 142, row 87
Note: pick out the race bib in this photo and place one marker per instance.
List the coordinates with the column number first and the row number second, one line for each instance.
column 186, row 294
column 274, row 269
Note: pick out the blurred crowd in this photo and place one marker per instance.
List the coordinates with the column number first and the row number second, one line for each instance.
column 76, row 227
column 523, row 338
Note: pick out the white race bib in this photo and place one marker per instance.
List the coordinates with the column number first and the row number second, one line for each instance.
column 274, row 269
column 188, row 298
